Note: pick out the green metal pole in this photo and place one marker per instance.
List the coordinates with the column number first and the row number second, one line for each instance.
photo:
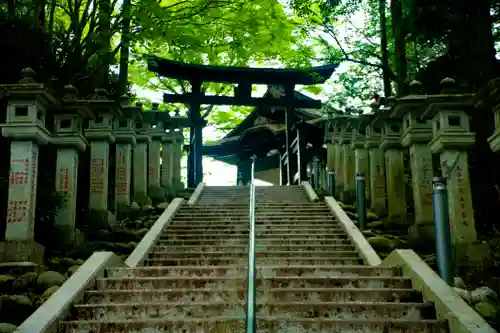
column 360, row 199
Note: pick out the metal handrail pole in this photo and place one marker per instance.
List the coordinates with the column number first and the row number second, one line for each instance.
column 250, row 318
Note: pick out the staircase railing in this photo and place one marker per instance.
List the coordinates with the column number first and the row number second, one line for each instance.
column 250, row 319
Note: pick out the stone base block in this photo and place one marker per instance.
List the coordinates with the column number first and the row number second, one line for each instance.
column 15, row 251
column 471, row 255
column 422, row 232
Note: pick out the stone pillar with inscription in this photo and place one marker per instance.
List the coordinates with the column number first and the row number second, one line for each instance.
column 378, row 194
column 125, row 140
column 140, row 156
column 25, row 126
column 451, row 139
column 68, row 138
column 100, row 134
column 394, row 169
column 166, row 160
column 361, row 154
column 178, row 140
column 330, row 147
column 339, row 168
column 156, row 133
column 348, row 168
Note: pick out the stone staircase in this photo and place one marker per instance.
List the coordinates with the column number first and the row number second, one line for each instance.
column 309, row 276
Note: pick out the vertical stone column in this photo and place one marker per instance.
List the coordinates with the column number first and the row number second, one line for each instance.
column 100, row 135
column 156, row 133
column 378, row 194
column 69, row 141
column 394, row 169
column 339, row 169
column 176, row 159
column 125, row 141
column 140, row 158
column 361, row 154
column 166, row 162
column 330, row 156
column 349, row 171
column 25, row 126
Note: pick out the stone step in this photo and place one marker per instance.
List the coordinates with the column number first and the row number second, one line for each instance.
column 220, row 258
column 261, row 232
column 231, row 248
column 290, row 270
column 278, row 227
column 260, row 241
column 238, row 278
column 239, row 293
column 331, row 231
column 226, row 251
column 272, row 215
column 270, row 204
column 268, row 324
column 207, row 309
column 245, row 222
column 200, row 237
column 262, row 210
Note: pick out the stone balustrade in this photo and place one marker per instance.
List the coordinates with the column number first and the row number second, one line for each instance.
column 146, row 147
column 428, row 129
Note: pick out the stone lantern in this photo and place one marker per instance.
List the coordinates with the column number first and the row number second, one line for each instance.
column 416, row 135
column 177, row 125
column 125, row 140
column 394, row 163
column 330, row 146
column 25, row 127
column 349, row 174
column 338, row 123
column 140, row 154
column 156, row 133
column 361, row 154
column 100, row 134
column 166, row 152
column 378, row 194
column 451, row 137
column 69, row 139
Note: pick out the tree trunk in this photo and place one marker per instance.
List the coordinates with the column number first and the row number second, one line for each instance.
column 383, row 49
column 399, row 45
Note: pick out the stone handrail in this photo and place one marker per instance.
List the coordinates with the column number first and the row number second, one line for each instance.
column 370, row 257
column 46, row 318
column 311, row 194
column 196, row 194
column 449, row 305
column 142, row 250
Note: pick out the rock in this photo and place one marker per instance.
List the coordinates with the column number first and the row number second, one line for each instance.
column 147, row 208
column 135, row 206
column 381, row 243
column 25, row 282
column 486, row 309
column 375, row 224
column 349, row 208
column 483, row 294
column 111, row 219
column 352, row 216
column 368, row 233
column 371, row 216
column 141, row 232
column 49, row 279
column 46, row 295
column 78, row 262
column 15, row 308
column 464, row 294
column 7, row 328
column 458, row 282
column 73, row 269
column 6, row 282
column 162, row 206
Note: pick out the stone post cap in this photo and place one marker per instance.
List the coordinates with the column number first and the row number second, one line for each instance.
column 177, row 112
column 448, row 85
column 100, row 94
column 27, row 76
column 415, row 87
column 124, row 100
column 391, row 100
column 70, row 92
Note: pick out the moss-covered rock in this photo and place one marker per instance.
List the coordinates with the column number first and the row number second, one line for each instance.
column 381, row 243
column 7, row 328
column 15, row 309
column 49, row 279
column 46, row 295
column 371, row 216
column 73, row 269
column 6, row 282
column 25, row 282
column 487, row 310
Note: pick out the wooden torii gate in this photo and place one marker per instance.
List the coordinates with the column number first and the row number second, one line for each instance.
column 244, row 78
